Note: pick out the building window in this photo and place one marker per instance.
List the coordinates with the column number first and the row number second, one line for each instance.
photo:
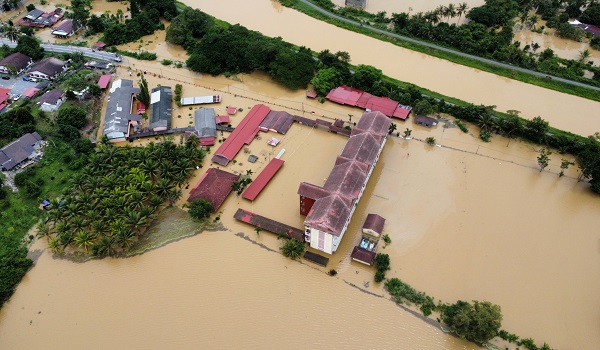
column 321, row 240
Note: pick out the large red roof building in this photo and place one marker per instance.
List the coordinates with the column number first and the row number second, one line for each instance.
column 328, row 209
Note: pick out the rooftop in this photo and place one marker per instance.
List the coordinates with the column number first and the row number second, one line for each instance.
column 244, row 133
column 214, row 186
column 374, row 223
column 161, row 99
column 49, row 66
column 205, row 122
column 19, row 150
column 51, row 97
column 263, row 179
column 17, row 60
column 118, row 109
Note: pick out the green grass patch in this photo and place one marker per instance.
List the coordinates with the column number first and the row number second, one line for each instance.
column 171, row 225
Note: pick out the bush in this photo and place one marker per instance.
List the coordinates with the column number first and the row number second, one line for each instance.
column 382, row 262
column 379, row 276
column 166, row 62
column 200, row 209
column 292, row 248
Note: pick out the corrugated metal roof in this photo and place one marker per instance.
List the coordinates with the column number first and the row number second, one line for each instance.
column 263, row 179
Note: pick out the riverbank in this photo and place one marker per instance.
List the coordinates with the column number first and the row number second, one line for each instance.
column 449, row 54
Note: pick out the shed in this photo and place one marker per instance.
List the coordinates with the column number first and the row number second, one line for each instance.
column 104, row 80
column 373, row 225
column 100, row 46
column 222, row 119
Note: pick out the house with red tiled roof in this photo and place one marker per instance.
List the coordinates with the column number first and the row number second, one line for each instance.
column 214, row 187
column 329, row 209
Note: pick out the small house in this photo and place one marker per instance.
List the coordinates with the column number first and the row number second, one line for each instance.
column 19, row 151
column 425, row 121
column 48, row 68
column 52, row 100
column 100, row 46
column 373, row 225
column 15, row 63
column 64, row 29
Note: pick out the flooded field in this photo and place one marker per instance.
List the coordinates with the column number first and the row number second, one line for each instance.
column 468, row 220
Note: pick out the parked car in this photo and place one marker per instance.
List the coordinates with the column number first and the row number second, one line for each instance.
column 5, row 77
column 117, row 59
column 25, row 78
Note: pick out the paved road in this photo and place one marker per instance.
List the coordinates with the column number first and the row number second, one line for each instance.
column 99, row 55
column 441, row 48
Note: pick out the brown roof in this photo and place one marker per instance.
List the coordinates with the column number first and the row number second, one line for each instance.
column 49, row 66
column 363, row 147
column 214, row 186
column 363, row 255
column 277, row 120
column 329, row 214
column 17, row 60
column 347, row 178
column 64, row 26
column 374, row 122
column 51, row 97
column 374, row 222
column 425, row 120
column 311, row 191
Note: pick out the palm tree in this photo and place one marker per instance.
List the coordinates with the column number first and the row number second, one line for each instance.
column 392, row 128
column 54, row 244
column 84, row 240
column 451, row 10
column 486, row 122
column 156, row 202
column 584, row 55
column 125, row 238
column 461, row 10
column 134, row 220
column 407, row 133
column 173, row 195
column 43, row 229
column 162, row 187
column 11, row 33
column 105, row 247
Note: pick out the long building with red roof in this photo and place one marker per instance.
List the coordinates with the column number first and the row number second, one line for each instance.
column 328, row 209
column 346, row 95
column 263, row 179
column 243, row 134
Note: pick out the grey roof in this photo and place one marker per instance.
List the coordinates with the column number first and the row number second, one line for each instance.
column 17, row 60
column 34, row 14
column 206, row 122
column 19, row 150
column 51, row 97
column 49, row 66
column 161, row 100
column 118, row 109
column 65, row 26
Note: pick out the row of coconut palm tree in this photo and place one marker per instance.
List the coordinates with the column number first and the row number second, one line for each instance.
column 115, row 198
column 444, row 12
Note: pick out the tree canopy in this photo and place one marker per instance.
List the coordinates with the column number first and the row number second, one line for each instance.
column 29, row 46
column 200, row 209
column 477, row 322
column 188, row 26
column 71, row 115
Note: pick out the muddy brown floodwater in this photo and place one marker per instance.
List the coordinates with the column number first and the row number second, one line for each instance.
column 564, row 111
column 468, row 220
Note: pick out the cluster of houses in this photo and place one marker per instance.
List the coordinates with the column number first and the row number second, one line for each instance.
column 40, row 19
column 44, row 70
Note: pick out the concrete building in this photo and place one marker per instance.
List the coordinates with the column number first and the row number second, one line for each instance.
column 329, row 209
column 52, row 100
column 19, row 151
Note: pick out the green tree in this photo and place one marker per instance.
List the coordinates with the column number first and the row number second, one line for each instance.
column 564, row 165
column 200, row 209
column 543, row 158
column 30, row 46
column 407, row 133
column 326, row 79
column 430, row 140
column 144, row 95
column 11, row 33
column 365, row 77
column 423, row 107
column 293, row 70
column 71, row 115
column 80, row 12
column 188, row 26
column 382, row 262
column 479, row 322
column 536, row 128
column 292, row 248
column 392, row 128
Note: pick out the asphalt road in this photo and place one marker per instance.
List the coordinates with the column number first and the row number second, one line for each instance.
column 441, row 48
column 99, row 55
